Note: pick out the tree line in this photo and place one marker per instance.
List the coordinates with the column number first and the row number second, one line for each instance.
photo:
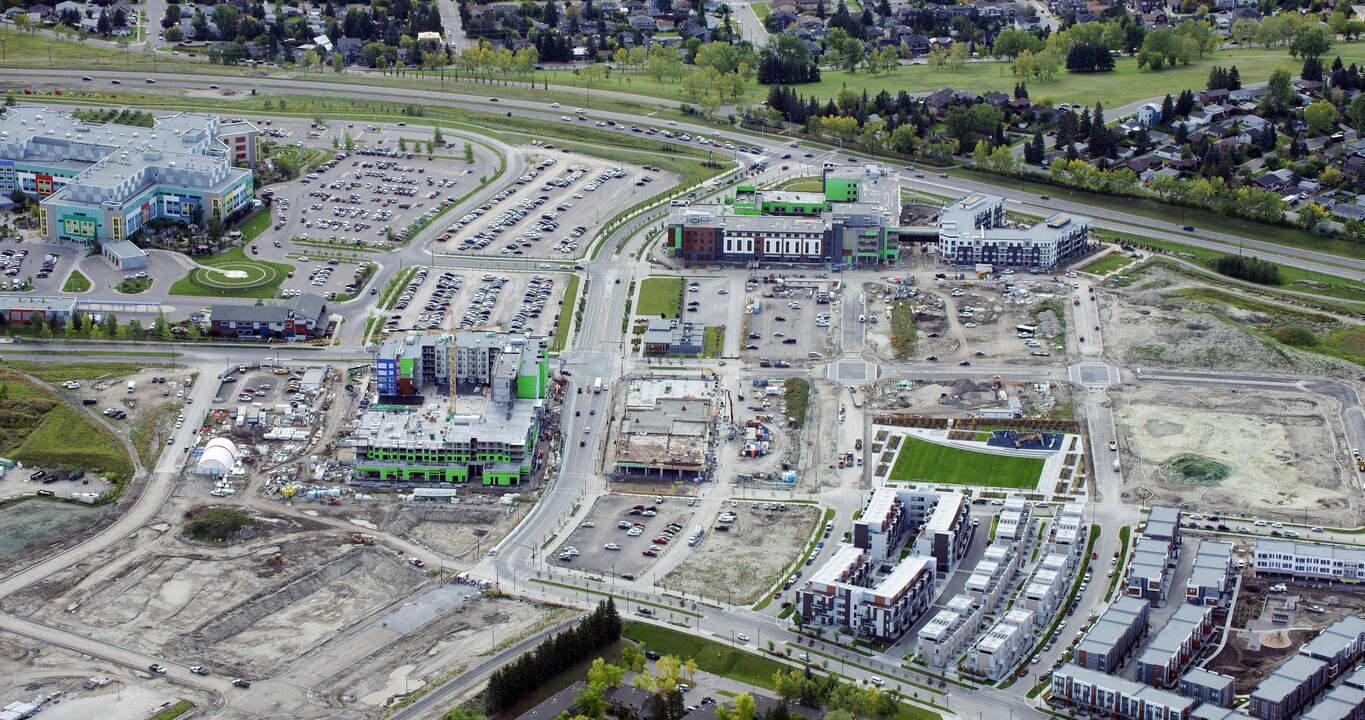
column 554, row 655
column 1247, row 268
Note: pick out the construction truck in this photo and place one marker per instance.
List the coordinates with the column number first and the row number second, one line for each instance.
column 362, row 539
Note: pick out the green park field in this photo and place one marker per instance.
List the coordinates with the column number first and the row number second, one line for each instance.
column 923, row 461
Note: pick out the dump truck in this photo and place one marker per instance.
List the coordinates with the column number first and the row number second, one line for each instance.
column 362, row 539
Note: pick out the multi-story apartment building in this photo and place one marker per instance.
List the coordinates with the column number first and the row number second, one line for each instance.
column 991, row 578
column 974, row 231
column 939, row 521
column 1309, row 561
column 850, row 590
column 1339, row 645
column 1003, row 646
column 1207, row 687
column 1289, row 689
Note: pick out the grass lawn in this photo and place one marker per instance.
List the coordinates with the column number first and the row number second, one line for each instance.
column 715, row 342
column 796, row 400
column 273, row 272
column 660, row 296
column 762, row 10
column 174, row 711
column 1124, row 85
column 711, row 656
column 1107, row 264
column 920, row 460
column 565, row 315
column 61, row 372
column 903, row 331
column 44, row 431
column 76, row 283
column 255, row 225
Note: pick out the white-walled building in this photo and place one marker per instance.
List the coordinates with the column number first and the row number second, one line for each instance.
column 946, row 636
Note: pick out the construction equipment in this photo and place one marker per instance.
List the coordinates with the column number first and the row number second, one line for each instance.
column 278, row 559
column 362, row 539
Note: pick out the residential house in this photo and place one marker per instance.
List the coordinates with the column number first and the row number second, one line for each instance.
column 1289, row 689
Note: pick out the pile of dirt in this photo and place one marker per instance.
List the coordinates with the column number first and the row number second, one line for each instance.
column 1195, row 470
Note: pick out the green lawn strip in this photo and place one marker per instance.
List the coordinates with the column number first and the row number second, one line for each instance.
column 833, row 658
column 622, row 598
column 801, row 561
column 102, row 353
column 711, row 656
column 660, row 296
column 565, row 315
column 921, row 460
column 393, row 288
column 796, row 401
column 1107, row 264
column 1124, row 533
column 903, row 331
column 255, row 225
column 924, row 670
column 1095, row 531
column 715, row 341
column 62, row 372
column 762, row 10
column 190, row 285
column 1202, row 220
column 174, row 711
column 76, row 283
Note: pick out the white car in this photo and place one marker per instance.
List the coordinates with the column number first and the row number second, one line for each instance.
column 612, row 546
column 742, row 637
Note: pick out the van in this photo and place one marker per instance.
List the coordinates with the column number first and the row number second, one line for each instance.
column 132, row 385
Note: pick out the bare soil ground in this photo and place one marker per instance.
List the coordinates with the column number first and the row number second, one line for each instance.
column 1151, row 324
column 33, row 669
column 448, row 644
column 1283, row 450
column 748, row 559
column 247, row 610
column 1276, row 643
column 463, row 531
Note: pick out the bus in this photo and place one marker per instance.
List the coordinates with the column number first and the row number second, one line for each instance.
column 597, row 385
column 1026, row 330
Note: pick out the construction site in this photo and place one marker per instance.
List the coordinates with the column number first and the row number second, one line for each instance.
column 1263, row 453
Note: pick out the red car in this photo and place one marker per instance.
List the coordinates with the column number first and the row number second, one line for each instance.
column 661, row 540
column 649, row 553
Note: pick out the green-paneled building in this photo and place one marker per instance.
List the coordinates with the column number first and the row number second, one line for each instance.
column 413, row 435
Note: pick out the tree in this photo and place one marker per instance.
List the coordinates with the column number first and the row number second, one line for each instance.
column 1034, row 150
column 1309, row 40
column 1321, row 117
column 215, row 227
column 1280, row 95
column 1244, row 31
column 591, row 701
column 160, row 327
column 1312, row 216
column 785, row 60
column 227, row 18
column 745, row 707
column 468, row 153
column 1355, row 113
column 1089, row 57
column 338, row 63
column 103, row 25
column 1009, row 43
column 173, row 34
column 462, row 714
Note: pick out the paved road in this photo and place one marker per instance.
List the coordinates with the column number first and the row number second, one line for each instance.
column 1105, row 217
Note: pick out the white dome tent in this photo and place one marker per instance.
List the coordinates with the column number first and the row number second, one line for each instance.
column 219, row 457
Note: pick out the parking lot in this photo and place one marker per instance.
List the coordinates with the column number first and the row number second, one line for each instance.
column 790, row 324
column 551, row 211
column 603, row 527
column 46, row 264
column 439, row 298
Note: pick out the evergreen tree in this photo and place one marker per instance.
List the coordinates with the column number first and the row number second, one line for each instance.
column 1167, row 110
column 1235, row 77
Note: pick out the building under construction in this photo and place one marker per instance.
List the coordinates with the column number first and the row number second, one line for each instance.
column 668, row 430
column 482, row 428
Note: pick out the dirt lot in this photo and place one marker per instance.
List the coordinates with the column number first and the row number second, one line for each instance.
column 1154, row 322
column 982, row 318
column 604, row 516
column 451, row 642
column 1282, row 454
column 748, row 559
column 250, row 609
column 33, row 669
column 30, row 525
column 1258, row 645
column 463, row 531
